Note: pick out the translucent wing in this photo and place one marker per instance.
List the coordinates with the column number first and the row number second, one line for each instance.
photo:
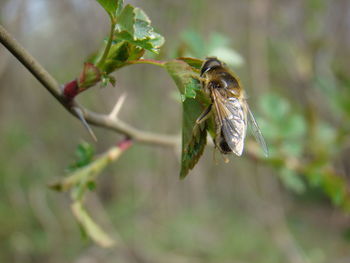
column 257, row 132
column 232, row 120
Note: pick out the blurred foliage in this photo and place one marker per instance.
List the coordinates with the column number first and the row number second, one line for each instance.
column 217, row 45
column 81, row 178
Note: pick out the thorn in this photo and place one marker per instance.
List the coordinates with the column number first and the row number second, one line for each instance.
column 118, row 105
column 80, row 115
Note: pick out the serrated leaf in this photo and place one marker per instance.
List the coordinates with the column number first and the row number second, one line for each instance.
column 141, row 15
column 157, row 40
column 142, row 30
column 112, row 7
column 152, row 45
column 135, row 27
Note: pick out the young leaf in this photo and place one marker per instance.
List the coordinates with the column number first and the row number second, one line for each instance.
column 112, row 7
column 134, row 26
column 84, row 154
column 151, row 43
column 89, row 76
column 120, row 53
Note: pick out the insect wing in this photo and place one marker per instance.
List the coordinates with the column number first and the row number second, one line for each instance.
column 233, row 121
column 257, row 132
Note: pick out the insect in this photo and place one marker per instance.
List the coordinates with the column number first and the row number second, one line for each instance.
column 229, row 106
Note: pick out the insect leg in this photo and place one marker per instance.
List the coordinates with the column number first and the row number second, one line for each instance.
column 204, row 115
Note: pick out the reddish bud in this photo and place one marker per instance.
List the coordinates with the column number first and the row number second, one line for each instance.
column 70, row 90
column 125, row 144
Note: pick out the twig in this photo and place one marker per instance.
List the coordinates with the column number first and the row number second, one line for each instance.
column 93, row 118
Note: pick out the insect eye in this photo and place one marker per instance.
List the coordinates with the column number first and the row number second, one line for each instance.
column 209, row 64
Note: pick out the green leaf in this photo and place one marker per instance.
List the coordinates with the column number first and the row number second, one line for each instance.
column 193, row 138
column 185, row 78
column 156, row 40
column 193, row 62
column 120, row 53
column 80, row 177
column 135, row 27
column 152, row 43
column 89, row 76
column 112, row 7
column 126, row 19
column 141, row 15
column 85, row 154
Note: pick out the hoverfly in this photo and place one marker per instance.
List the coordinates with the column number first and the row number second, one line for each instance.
column 229, row 106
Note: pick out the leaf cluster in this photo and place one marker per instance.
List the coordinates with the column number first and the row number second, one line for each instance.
column 131, row 34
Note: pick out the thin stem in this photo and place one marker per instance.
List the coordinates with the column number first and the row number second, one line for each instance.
column 147, row 61
column 109, row 44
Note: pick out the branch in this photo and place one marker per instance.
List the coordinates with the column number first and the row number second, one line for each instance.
column 93, row 118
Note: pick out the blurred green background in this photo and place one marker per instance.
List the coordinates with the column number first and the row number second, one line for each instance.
column 293, row 59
